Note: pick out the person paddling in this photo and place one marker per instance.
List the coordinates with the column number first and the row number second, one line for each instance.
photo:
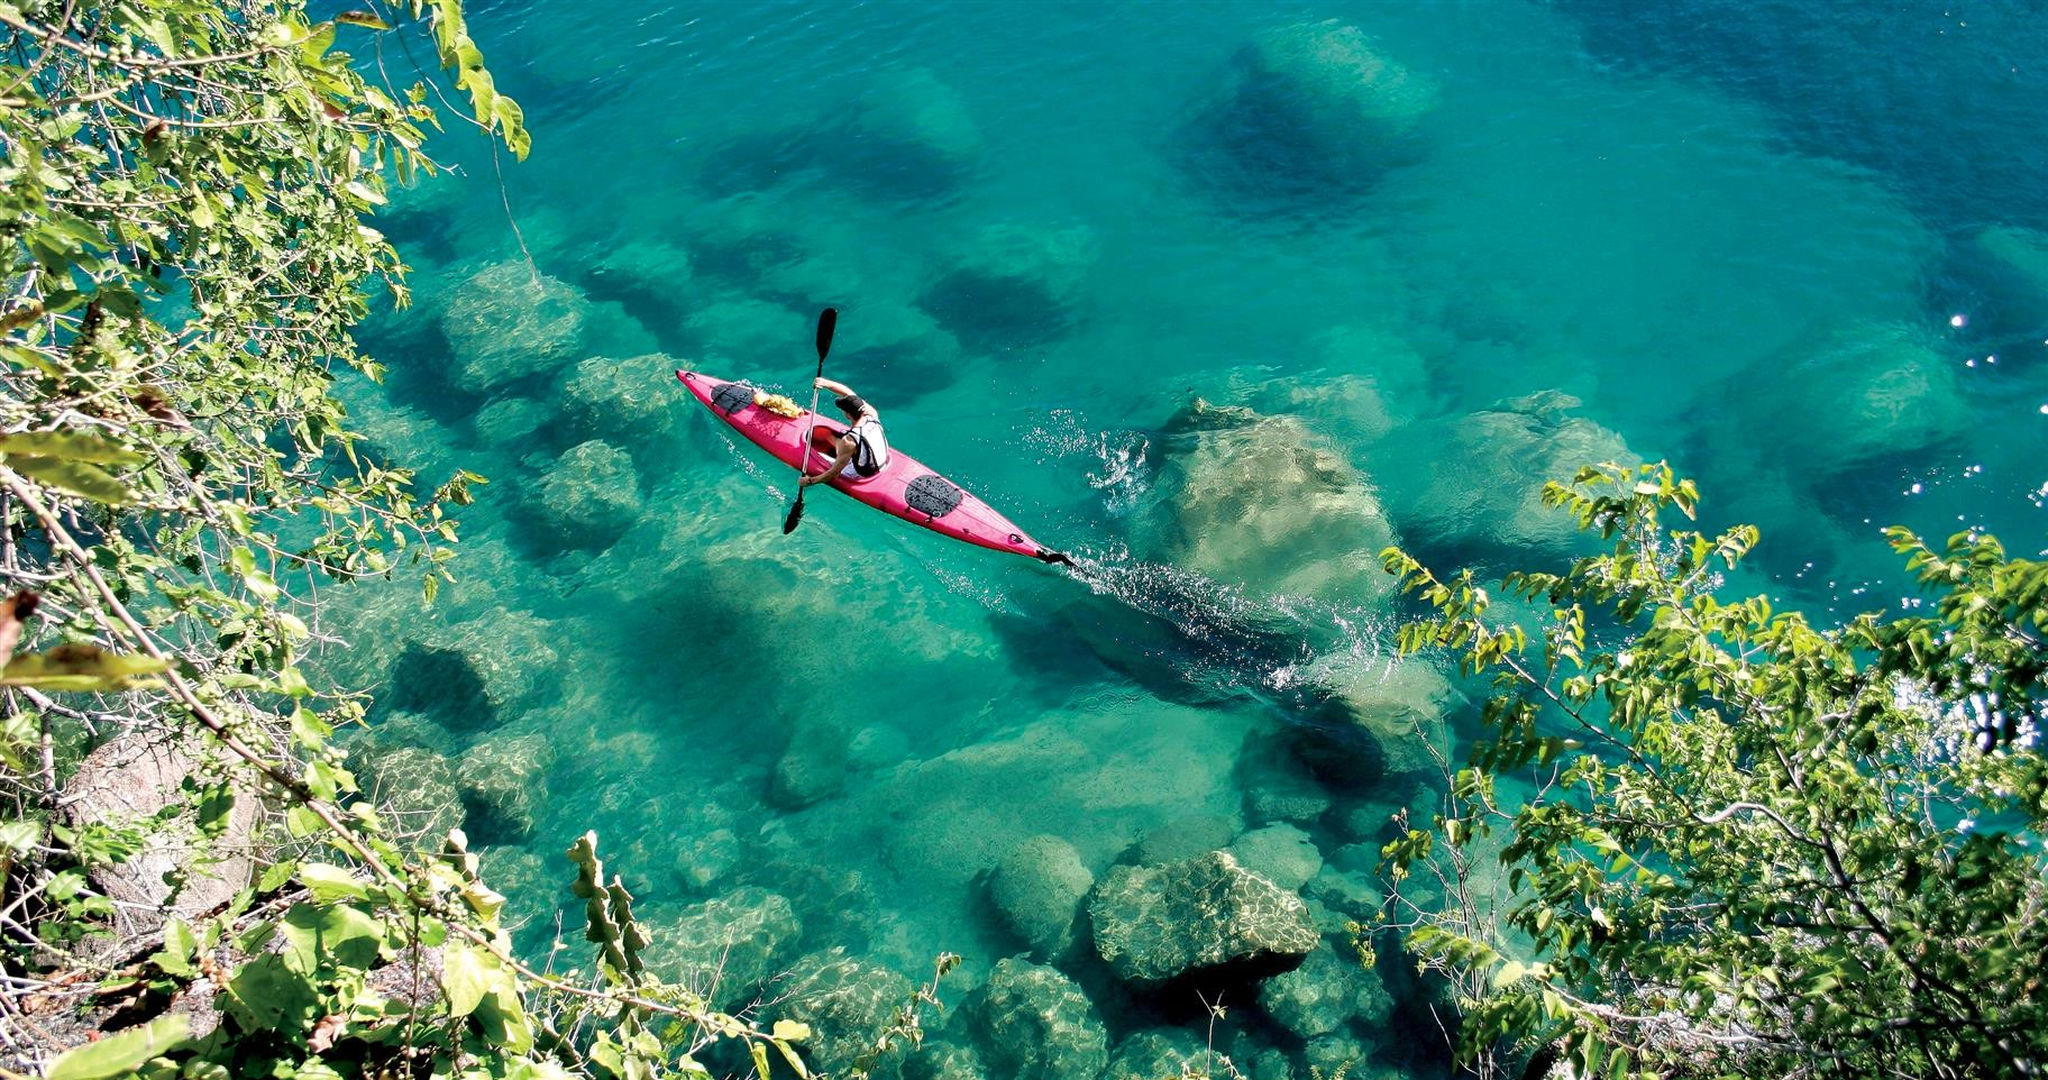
column 863, row 450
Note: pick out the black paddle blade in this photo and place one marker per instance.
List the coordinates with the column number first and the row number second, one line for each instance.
column 828, row 320
column 796, row 515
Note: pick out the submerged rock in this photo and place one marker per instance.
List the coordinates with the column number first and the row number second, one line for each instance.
column 1185, row 837
column 1282, row 854
column 1862, row 394
column 477, row 673
column 729, row 947
column 1325, row 992
column 1205, row 915
column 848, row 1003
column 1314, row 108
column 1264, row 501
column 911, row 135
column 1487, row 471
column 813, row 768
column 590, row 496
column 508, row 322
column 500, row 781
column 1036, row 1024
column 1038, row 887
column 1162, row 1054
column 413, row 787
column 623, row 400
column 1014, row 286
column 509, row 423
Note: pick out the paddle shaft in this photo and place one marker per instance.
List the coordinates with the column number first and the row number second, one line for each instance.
column 828, row 319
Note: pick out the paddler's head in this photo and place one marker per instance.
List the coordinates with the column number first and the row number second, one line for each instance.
column 852, row 406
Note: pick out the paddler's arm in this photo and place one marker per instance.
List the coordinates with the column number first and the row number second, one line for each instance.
column 839, row 464
column 839, row 389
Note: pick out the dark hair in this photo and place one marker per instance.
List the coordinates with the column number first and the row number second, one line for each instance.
column 852, row 405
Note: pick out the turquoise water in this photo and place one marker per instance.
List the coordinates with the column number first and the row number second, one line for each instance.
column 1796, row 256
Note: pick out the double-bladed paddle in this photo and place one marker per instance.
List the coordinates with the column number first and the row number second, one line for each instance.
column 827, row 320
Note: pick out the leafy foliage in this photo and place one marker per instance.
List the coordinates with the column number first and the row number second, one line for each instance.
column 186, row 188
column 1734, row 843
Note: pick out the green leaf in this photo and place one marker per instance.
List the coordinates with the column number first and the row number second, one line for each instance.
column 329, row 883
column 338, row 935
column 68, row 446
column 18, row 837
column 80, row 668
column 363, row 19
column 85, row 480
column 791, row 1031
column 180, row 948
column 267, row 995
column 121, row 1053
column 465, row 978
column 760, row 1053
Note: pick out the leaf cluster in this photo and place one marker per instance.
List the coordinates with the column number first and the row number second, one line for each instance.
column 1727, row 842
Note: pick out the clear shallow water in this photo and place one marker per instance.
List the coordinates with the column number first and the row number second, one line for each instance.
column 1748, row 261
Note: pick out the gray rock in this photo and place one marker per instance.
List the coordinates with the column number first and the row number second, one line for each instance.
column 1339, row 97
column 849, row 1004
column 509, row 423
column 413, row 788
column 1282, row 854
column 132, row 778
column 500, row 781
column 1036, row 1024
column 1185, row 837
column 478, row 673
column 1356, row 896
column 508, row 322
column 1155, row 923
column 626, row 401
column 1324, row 993
column 729, row 947
column 1161, row 1054
column 811, row 769
column 704, row 861
column 1038, row 886
column 589, row 496
column 1265, row 501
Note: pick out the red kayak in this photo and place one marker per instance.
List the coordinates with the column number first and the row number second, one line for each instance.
column 904, row 487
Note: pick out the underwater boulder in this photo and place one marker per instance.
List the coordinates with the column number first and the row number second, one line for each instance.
column 643, row 275
column 475, row 674
column 1282, row 854
column 509, row 423
column 900, row 351
column 911, row 136
column 1313, row 109
column 849, row 1004
column 588, row 497
column 944, row 1059
column 500, row 781
column 1014, row 286
column 1206, row 916
column 413, row 787
column 1372, row 381
column 1038, row 887
column 1262, row 500
column 1185, row 837
column 1324, row 993
column 811, row 769
column 1161, row 1054
column 2010, row 266
column 1036, row 1024
column 727, row 948
column 1863, row 393
column 625, row 401
column 1486, row 470
column 508, row 322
